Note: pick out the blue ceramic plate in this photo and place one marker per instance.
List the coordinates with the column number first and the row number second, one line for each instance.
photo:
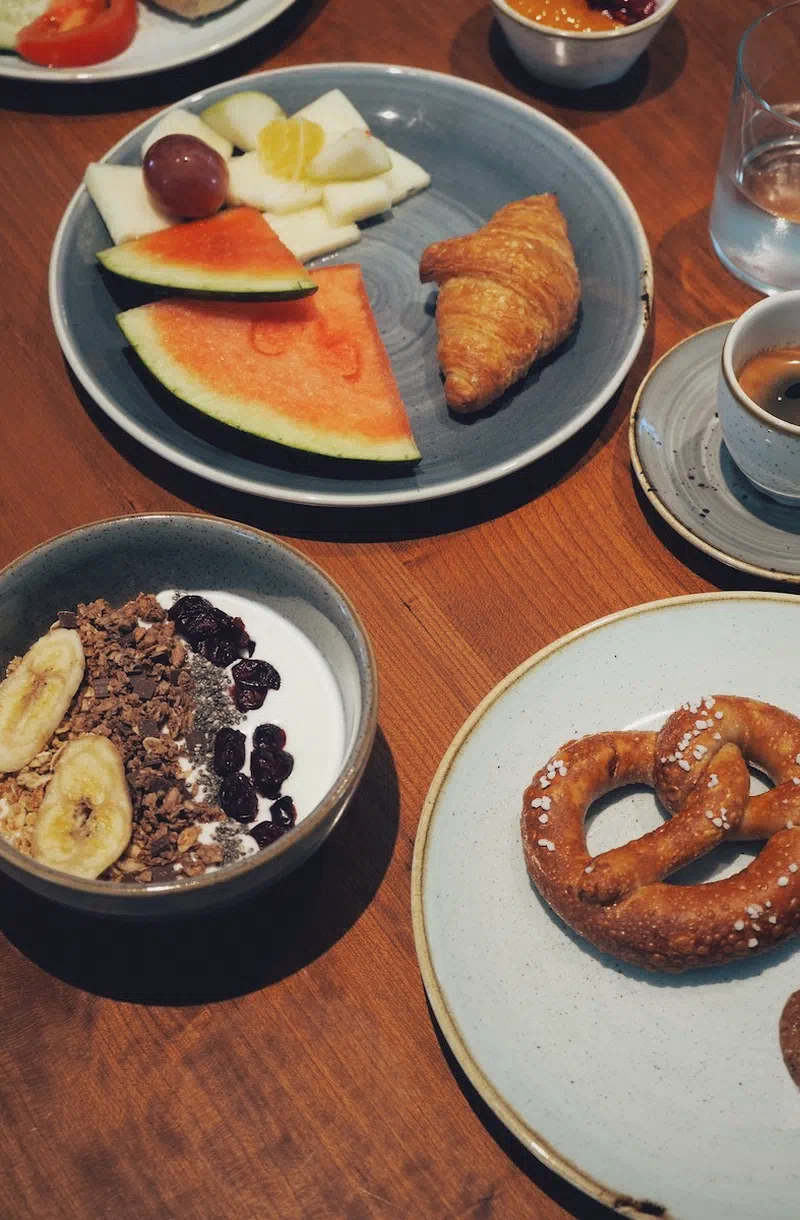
column 483, row 150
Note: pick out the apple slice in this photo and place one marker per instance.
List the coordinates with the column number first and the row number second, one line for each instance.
column 350, row 157
column 184, row 123
column 347, row 202
column 405, row 178
column 240, row 117
column 250, row 184
column 309, row 234
column 334, row 113
column 124, row 202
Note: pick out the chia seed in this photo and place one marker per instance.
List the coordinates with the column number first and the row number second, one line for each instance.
column 231, row 839
column 215, row 710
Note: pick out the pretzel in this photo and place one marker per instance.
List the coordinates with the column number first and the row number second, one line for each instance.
column 697, row 765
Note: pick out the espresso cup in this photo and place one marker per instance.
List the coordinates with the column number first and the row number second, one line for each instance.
column 766, row 449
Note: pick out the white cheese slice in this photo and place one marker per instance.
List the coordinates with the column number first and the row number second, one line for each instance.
column 124, row 202
column 334, row 113
column 250, row 184
column 309, row 234
column 405, row 178
column 184, row 123
column 347, row 202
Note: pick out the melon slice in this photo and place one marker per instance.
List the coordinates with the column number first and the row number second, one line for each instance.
column 234, row 253
column 312, row 374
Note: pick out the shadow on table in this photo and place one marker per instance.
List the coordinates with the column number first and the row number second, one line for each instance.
column 573, row 1201
column 653, row 73
column 203, row 958
column 168, row 85
column 384, row 523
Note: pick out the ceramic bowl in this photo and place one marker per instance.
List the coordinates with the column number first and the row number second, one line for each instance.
column 576, row 60
column 118, row 558
column 766, row 449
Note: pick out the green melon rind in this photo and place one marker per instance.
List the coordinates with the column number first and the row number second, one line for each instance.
column 133, row 265
column 251, row 417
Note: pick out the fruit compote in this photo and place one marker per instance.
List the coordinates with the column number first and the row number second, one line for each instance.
column 584, row 15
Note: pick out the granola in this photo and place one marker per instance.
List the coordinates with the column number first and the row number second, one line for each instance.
column 139, row 691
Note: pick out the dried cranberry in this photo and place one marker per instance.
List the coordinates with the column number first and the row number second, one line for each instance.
column 229, row 751
column 259, row 674
column 247, row 698
column 283, row 812
column 269, row 768
column 237, row 797
column 195, row 618
column 267, row 832
column 219, row 650
column 269, row 735
column 243, row 641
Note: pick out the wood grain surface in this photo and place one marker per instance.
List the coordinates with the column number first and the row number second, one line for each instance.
column 280, row 1060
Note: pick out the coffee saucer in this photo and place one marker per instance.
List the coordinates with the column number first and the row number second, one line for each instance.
column 688, row 475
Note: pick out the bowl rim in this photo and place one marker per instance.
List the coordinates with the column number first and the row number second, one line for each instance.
column 549, row 31
column 770, row 304
column 352, row 768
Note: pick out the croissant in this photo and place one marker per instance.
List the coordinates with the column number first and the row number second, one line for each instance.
column 509, row 293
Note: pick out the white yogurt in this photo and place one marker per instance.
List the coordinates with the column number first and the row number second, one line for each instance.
column 308, row 706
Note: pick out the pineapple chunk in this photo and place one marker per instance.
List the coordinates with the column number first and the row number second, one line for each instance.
column 124, row 202
column 309, row 234
column 334, row 113
column 184, row 123
column 405, row 178
column 240, row 117
column 250, row 184
column 350, row 157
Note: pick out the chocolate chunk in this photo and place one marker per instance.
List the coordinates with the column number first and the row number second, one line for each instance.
column 144, row 687
column 149, row 728
column 159, row 843
column 195, row 740
column 100, row 686
column 164, row 872
column 67, row 619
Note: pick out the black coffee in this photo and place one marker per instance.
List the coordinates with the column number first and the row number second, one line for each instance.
column 772, row 379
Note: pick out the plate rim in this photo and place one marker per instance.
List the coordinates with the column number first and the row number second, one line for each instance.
column 666, row 513
column 93, row 74
column 534, row 1141
column 338, row 498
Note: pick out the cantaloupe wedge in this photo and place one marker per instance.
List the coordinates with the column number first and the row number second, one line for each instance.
column 232, row 254
column 310, row 374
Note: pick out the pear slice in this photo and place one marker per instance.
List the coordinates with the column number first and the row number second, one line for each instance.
column 240, row 117
column 350, row 157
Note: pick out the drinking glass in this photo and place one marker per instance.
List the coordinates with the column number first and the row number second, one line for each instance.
column 755, row 215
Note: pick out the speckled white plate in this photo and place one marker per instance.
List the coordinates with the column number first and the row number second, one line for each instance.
column 658, row 1095
column 162, row 41
column 690, row 478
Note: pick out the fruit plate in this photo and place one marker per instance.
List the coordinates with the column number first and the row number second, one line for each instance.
column 483, row 150
column 659, row 1095
column 162, row 41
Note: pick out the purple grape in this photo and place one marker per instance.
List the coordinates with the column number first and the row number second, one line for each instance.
column 186, row 176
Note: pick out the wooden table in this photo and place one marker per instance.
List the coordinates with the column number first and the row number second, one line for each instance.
column 280, row 1060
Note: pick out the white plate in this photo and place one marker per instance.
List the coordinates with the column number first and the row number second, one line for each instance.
column 162, row 41
column 647, row 1091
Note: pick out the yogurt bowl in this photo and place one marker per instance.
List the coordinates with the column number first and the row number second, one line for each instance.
column 576, row 59
column 161, row 689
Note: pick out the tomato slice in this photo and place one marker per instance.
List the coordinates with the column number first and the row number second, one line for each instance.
column 72, row 33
